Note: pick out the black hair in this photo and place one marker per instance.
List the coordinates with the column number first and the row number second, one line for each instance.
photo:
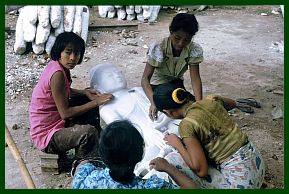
column 121, row 148
column 185, row 22
column 163, row 99
column 62, row 40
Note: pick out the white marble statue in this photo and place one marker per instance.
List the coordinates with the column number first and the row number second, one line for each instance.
column 133, row 105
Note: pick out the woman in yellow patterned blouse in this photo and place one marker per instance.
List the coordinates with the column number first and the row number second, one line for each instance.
column 215, row 151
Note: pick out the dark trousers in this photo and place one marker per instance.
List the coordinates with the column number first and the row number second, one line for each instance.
column 81, row 133
column 90, row 117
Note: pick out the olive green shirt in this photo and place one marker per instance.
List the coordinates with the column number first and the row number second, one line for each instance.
column 209, row 122
column 167, row 67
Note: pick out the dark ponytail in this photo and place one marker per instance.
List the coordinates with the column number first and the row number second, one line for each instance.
column 122, row 174
column 169, row 96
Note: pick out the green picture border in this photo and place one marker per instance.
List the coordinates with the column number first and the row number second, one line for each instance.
column 133, row 2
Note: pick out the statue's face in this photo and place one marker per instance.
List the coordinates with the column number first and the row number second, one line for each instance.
column 108, row 79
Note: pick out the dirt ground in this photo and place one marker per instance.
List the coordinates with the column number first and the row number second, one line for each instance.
column 243, row 57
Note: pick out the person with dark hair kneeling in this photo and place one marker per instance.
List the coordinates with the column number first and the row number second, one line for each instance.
column 121, row 147
column 169, row 59
column 216, row 152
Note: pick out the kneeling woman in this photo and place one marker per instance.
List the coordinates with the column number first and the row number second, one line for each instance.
column 214, row 152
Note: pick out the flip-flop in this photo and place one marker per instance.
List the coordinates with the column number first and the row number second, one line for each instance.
column 249, row 101
column 245, row 108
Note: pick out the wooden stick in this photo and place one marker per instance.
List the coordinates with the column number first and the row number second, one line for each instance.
column 16, row 154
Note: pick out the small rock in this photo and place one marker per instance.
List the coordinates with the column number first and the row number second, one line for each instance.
column 42, row 61
column 60, row 186
column 233, row 114
column 275, row 157
column 261, row 60
column 13, row 12
column 46, row 56
column 93, row 38
column 36, row 64
column 275, row 12
column 278, row 92
column 277, row 113
column 132, row 43
column 15, row 127
column 232, row 111
column 202, row 7
column 34, row 56
column 280, row 148
column 116, row 31
column 245, row 125
column 269, row 90
column 86, row 59
column 132, row 52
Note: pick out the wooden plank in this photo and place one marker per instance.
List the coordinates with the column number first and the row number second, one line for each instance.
column 49, row 156
column 97, row 28
column 113, row 27
column 49, row 170
column 49, row 162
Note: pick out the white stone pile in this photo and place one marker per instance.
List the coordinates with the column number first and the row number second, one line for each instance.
column 130, row 12
column 40, row 25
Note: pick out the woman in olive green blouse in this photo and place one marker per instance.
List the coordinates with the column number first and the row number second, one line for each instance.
column 169, row 59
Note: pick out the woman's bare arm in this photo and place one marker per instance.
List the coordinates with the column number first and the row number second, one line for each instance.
column 160, row 164
column 61, row 99
column 196, row 81
column 145, row 83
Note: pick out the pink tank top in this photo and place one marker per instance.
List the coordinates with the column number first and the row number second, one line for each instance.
column 44, row 117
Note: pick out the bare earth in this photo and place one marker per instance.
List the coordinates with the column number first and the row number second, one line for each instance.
column 242, row 59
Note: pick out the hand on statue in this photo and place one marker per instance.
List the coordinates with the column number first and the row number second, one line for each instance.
column 161, row 123
column 173, row 140
column 92, row 94
column 103, row 98
column 159, row 164
column 153, row 112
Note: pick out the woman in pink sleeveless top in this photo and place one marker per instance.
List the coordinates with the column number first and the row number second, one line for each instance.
column 63, row 118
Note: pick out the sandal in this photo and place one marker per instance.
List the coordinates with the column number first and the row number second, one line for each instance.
column 73, row 169
column 249, row 101
column 245, row 108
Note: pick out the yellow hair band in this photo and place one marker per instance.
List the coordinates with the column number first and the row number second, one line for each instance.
column 175, row 97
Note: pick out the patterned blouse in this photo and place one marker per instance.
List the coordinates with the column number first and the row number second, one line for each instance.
column 209, row 122
column 168, row 67
column 90, row 177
